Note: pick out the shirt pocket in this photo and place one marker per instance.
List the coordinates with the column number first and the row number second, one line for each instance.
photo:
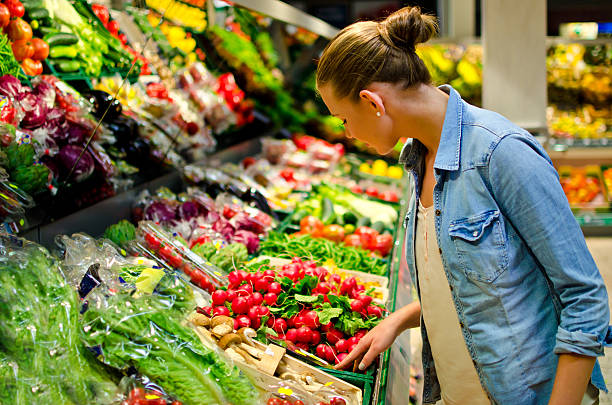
column 481, row 245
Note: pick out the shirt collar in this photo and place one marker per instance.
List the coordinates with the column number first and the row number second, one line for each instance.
column 449, row 149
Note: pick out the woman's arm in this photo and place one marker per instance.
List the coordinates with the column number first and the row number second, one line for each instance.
column 573, row 373
column 381, row 337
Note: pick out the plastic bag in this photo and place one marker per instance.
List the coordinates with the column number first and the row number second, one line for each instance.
column 42, row 360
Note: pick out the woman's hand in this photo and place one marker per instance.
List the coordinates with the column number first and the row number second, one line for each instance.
column 382, row 336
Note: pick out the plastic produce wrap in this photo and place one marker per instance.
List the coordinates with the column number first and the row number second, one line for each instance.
column 146, row 333
column 42, row 360
column 177, row 255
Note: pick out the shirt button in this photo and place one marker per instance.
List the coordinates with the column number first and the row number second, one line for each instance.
column 475, row 233
column 440, row 250
column 438, row 212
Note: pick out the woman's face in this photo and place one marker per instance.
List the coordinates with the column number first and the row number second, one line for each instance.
column 361, row 120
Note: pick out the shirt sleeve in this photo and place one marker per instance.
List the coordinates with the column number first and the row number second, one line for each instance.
column 527, row 189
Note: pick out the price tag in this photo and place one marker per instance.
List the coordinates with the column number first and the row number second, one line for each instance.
column 327, row 384
column 285, row 391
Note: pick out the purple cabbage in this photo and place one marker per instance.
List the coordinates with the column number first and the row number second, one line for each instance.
column 46, row 92
column 34, row 108
column 76, row 134
column 243, row 221
column 188, row 210
column 159, row 211
column 247, row 238
column 10, row 86
column 69, row 155
column 224, row 227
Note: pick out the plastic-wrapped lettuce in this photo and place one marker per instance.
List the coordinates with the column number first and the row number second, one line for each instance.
column 145, row 331
column 42, row 360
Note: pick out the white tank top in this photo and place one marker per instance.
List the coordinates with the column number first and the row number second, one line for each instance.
column 459, row 382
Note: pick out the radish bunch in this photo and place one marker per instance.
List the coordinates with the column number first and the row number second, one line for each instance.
column 300, row 303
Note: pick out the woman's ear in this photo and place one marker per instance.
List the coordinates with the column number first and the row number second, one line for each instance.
column 374, row 101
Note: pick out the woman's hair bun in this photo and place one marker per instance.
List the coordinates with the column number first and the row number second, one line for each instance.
column 407, row 27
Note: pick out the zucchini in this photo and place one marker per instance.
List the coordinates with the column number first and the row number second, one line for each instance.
column 28, row 4
column 63, row 51
column 39, row 13
column 62, row 38
column 363, row 221
column 327, row 211
column 349, row 218
column 378, row 226
column 44, row 31
column 298, row 215
column 66, row 65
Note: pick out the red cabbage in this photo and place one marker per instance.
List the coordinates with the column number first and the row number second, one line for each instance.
column 76, row 134
column 212, row 217
column 11, row 86
column 243, row 221
column 102, row 160
column 69, row 154
column 46, row 92
column 223, row 227
column 34, row 108
column 56, row 125
column 188, row 210
column 247, row 238
column 158, row 211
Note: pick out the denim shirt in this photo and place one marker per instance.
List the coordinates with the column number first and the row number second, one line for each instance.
column 522, row 279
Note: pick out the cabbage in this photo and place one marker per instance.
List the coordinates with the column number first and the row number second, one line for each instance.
column 34, row 108
column 243, row 221
column 159, row 211
column 224, row 227
column 11, row 86
column 76, row 134
column 247, row 238
column 69, row 155
column 46, row 92
column 188, row 210
column 56, row 125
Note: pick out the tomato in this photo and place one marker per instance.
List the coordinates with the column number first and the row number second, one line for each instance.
column 5, row 16
column 15, row 7
column 365, row 230
column 32, row 67
column 338, row 400
column 383, row 244
column 274, row 401
column 22, row 49
column 311, row 225
column 19, row 29
column 334, row 233
column 113, row 27
column 352, row 240
column 287, row 175
column 153, row 241
column 372, row 191
column 136, row 393
column 389, row 195
column 298, row 402
column 357, row 189
column 101, row 12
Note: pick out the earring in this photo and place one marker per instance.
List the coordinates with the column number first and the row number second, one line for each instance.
column 378, row 113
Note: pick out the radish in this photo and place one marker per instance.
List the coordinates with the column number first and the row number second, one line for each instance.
column 324, row 287
column 219, row 297
column 236, row 324
column 360, row 333
column 334, row 335
column 341, row 346
column 270, row 298
column 255, row 323
column 263, row 311
column 352, row 347
column 366, row 299
column 327, row 327
column 221, row 310
column 330, row 354
column 303, row 346
column 231, row 295
column 304, row 334
column 291, row 335
column 280, row 325
column 375, row 311
column 257, row 298
column 253, row 313
column 315, row 338
column 340, row 357
column 352, row 340
column 321, row 351
column 269, row 275
column 336, row 278
column 234, row 278
column 310, row 264
column 243, row 322
column 240, row 305
column 356, row 305
column 348, row 285
column 275, row 288
column 261, row 285
column 244, row 290
column 311, row 319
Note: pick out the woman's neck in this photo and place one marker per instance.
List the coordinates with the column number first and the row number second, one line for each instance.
column 419, row 113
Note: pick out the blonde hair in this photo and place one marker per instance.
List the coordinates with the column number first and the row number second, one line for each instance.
column 370, row 51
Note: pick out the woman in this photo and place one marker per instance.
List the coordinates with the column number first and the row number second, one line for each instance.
column 512, row 307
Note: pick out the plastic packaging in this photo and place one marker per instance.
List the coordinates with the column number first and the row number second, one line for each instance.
column 42, row 360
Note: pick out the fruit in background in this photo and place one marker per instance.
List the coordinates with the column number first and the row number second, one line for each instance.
column 311, row 225
column 19, row 29
column 41, row 49
column 32, row 67
column 101, row 12
column 379, row 168
column 5, row 16
column 334, row 233
column 395, row 172
column 22, row 49
column 364, row 167
column 372, row 191
column 389, row 195
column 15, row 8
